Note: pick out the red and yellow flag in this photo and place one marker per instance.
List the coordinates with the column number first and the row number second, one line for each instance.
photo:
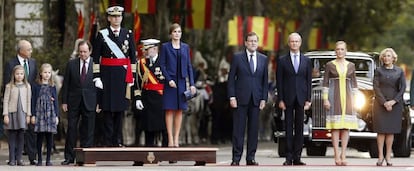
column 137, row 26
column 260, row 26
column 81, row 25
column 143, row 6
column 91, row 26
column 273, row 37
column 315, row 39
column 235, row 31
column 290, row 27
column 200, row 16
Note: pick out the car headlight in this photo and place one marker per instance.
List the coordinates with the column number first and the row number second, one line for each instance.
column 361, row 125
column 359, row 100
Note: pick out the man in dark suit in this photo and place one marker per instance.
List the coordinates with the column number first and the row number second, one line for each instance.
column 247, row 90
column 79, row 100
column 24, row 52
column 114, row 55
column 294, row 81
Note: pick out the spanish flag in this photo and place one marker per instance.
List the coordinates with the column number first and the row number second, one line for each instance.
column 104, row 4
column 273, row 37
column 260, row 26
column 143, row 6
column 315, row 39
column 137, row 26
column 200, row 14
column 81, row 25
column 235, row 31
column 290, row 27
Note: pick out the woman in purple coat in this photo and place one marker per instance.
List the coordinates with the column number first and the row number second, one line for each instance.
column 176, row 67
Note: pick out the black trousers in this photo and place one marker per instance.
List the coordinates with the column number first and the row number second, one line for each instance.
column 49, row 144
column 30, row 142
column 86, row 129
column 294, row 115
column 241, row 115
column 16, row 141
column 150, row 138
column 113, row 128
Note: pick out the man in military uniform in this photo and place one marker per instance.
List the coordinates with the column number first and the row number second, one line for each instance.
column 113, row 53
column 150, row 85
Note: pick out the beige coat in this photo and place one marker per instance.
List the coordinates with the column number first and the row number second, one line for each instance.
column 11, row 97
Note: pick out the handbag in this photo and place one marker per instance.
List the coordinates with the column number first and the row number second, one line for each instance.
column 188, row 96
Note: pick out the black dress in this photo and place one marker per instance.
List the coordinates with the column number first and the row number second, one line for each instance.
column 389, row 84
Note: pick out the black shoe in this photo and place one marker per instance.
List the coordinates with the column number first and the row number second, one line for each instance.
column 234, row 163
column 20, row 163
column 11, row 163
column 172, row 162
column 33, row 162
column 252, row 163
column 39, row 163
column 138, row 163
column 67, row 162
column 49, row 164
column 287, row 163
column 300, row 163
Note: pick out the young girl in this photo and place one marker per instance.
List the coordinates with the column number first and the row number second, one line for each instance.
column 16, row 112
column 45, row 107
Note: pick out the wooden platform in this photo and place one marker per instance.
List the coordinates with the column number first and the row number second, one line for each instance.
column 145, row 155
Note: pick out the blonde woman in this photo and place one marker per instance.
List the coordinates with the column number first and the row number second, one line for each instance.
column 339, row 86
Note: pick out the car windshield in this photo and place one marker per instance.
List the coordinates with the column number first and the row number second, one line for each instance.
column 363, row 66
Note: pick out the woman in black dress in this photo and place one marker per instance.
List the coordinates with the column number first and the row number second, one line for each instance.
column 389, row 87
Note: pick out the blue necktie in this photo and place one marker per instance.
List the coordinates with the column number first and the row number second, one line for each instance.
column 296, row 63
column 251, row 63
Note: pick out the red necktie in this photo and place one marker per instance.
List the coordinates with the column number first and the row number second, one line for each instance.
column 83, row 73
column 116, row 33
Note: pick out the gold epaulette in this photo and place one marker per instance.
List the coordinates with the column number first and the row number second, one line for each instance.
column 96, row 68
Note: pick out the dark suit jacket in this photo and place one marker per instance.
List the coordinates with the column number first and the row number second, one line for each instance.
column 243, row 84
column 8, row 69
column 291, row 85
column 73, row 92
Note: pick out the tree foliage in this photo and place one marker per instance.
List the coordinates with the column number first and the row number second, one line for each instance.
column 363, row 24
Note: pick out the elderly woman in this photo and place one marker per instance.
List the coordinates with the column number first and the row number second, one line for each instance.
column 389, row 87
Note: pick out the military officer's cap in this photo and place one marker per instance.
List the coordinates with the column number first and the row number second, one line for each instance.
column 149, row 43
column 115, row 10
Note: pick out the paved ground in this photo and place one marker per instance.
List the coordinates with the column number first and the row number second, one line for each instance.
column 266, row 156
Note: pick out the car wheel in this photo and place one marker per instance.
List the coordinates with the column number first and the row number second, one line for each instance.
column 373, row 149
column 402, row 146
column 281, row 147
column 313, row 149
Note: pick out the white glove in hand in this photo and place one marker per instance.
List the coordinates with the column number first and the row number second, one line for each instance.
column 98, row 83
column 139, row 105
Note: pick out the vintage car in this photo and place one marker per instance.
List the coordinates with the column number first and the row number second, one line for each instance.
column 317, row 138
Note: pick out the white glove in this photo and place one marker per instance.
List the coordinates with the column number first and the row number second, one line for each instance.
column 98, row 83
column 57, row 120
column 139, row 105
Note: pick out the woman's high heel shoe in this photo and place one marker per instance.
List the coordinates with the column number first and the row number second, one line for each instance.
column 388, row 163
column 379, row 162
